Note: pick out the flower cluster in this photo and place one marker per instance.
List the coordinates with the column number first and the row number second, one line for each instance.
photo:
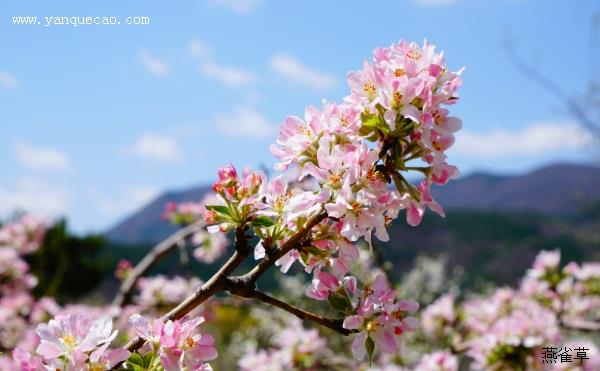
column 18, row 308
column 437, row 361
column 209, row 247
column 183, row 213
column 71, row 342
column 293, row 347
column 438, row 318
column 123, row 270
column 176, row 345
column 25, row 234
column 239, row 196
column 574, row 290
column 392, row 123
column 397, row 102
column 345, row 170
column 508, row 328
column 378, row 317
column 160, row 292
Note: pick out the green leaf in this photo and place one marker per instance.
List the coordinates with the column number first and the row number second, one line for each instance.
column 305, row 258
column 219, row 209
column 315, row 251
column 366, row 115
column 370, row 347
column 148, row 358
column 262, row 221
column 372, row 122
column 136, row 362
column 399, row 182
column 338, row 302
column 399, row 164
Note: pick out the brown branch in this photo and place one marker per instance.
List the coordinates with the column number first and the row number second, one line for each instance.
column 156, row 254
column 584, row 326
column 248, row 291
column 292, row 243
column 208, row 289
column 217, row 281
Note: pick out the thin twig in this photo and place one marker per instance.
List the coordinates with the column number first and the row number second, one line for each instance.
column 234, row 287
column 208, row 289
column 217, row 281
column 584, row 326
column 156, row 253
column 292, row 243
column 553, row 88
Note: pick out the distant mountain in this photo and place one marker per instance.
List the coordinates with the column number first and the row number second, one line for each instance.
column 146, row 226
column 556, row 189
column 560, row 189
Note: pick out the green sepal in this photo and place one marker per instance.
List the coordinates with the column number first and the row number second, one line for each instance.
column 220, row 209
column 262, row 221
column 370, row 347
column 339, row 302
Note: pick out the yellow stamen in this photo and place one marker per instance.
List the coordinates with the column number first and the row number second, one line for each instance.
column 369, row 89
column 335, row 180
column 69, row 340
column 397, row 99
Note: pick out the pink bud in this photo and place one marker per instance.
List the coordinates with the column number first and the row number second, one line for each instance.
column 227, row 174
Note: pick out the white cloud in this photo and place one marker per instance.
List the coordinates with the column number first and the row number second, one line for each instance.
column 158, row 147
column 239, row 6
column 40, row 158
column 133, row 197
column 230, row 76
column 435, row 2
column 7, row 81
column 199, row 49
column 34, row 195
column 534, row 139
column 291, row 69
column 245, row 123
column 154, row 65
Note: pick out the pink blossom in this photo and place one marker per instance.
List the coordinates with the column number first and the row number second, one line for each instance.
column 381, row 318
column 161, row 291
column 209, row 246
column 183, row 213
column 439, row 316
column 322, row 284
column 545, row 261
column 437, row 361
column 180, row 346
column 72, row 337
column 27, row 362
column 25, row 234
column 227, row 175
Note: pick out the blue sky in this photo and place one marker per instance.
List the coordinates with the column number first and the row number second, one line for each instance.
column 96, row 120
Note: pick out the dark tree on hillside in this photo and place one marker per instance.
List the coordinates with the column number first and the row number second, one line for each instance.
column 68, row 266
